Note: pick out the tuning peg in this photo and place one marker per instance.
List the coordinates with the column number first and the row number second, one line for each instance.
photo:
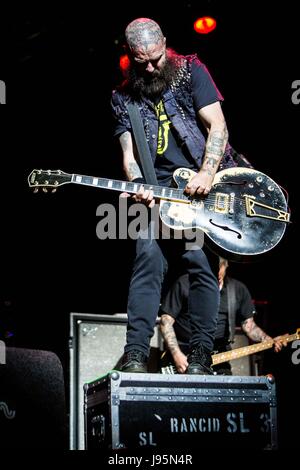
column 36, row 190
column 45, row 190
column 54, row 190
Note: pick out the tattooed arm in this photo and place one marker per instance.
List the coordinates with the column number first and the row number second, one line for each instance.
column 213, row 119
column 132, row 170
column 167, row 330
column 130, row 165
column 255, row 333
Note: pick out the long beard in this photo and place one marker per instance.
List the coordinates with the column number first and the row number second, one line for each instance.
column 152, row 85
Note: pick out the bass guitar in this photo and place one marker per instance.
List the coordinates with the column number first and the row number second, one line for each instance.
column 240, row 352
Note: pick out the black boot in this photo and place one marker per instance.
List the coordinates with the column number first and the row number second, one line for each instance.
column 200, row 361
column 134, row 361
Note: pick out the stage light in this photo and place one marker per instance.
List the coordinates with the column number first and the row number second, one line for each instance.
column 124, row 62
column 205, row 25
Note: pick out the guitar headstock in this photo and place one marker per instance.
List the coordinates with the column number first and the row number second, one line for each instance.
column 48, row 179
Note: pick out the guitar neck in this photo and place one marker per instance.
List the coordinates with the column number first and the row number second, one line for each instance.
column 247, row 350
column 159, row 192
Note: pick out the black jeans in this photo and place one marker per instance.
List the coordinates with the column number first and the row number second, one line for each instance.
column 153, row 259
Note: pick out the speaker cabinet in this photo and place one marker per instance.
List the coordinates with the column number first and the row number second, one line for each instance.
column 96, row 347
column 32, row 401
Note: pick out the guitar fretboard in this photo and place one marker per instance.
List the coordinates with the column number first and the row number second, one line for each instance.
column 161, row 192
column 245, row 351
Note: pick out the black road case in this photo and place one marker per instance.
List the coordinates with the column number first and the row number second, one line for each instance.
column 157, row 411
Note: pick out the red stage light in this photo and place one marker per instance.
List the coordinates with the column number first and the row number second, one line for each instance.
column 205, row 25
column 124, row 62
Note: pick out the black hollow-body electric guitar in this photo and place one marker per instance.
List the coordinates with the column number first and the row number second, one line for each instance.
column 245, row 214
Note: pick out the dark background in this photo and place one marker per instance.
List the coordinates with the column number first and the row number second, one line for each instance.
column 59, row 72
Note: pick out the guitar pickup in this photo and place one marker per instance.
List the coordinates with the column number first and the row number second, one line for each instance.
column 222, row 203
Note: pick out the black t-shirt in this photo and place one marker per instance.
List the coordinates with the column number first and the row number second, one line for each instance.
column 170, row 153
column 204, row 90
column 175, row 303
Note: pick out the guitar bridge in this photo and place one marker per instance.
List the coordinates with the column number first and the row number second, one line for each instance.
column 257, row 209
